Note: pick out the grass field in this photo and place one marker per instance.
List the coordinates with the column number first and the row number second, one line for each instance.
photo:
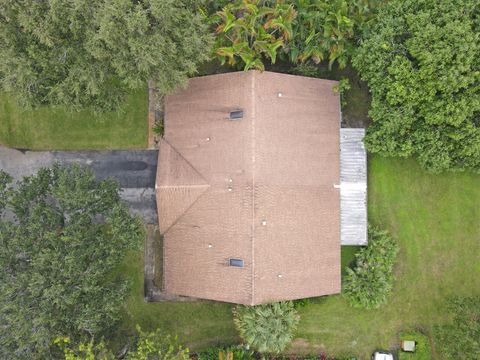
column 435, row 220
column 60, row 129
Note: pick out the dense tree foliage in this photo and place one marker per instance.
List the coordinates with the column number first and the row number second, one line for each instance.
column 370, row 282
column 460, row 339
column 88, row 53
column 153, row 345
column 267, row 328
column 327, row 30
column 422, row 63
column 250, row 32
column 61, row 235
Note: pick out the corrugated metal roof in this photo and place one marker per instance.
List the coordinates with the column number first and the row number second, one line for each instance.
column 353, row 187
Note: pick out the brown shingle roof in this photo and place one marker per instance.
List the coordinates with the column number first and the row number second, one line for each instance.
column 258, row 189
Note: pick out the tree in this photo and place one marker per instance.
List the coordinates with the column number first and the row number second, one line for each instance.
column 62, row 234
column 327, row 30
column 157, row 345
column 267, row 328
column 460, row 339
column 422, row 64
column 148, row 346
column 252, row 31
column 90, row 53
column 249, row 31
column 371, row 281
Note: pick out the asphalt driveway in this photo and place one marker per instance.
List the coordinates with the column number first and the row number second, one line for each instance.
column 134, row 170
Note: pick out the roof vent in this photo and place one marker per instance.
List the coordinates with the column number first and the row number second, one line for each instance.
column 236, row 115
column 236, row 262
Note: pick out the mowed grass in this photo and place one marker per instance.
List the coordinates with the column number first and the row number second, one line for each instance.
column 60, row 129
column 435, row 219
column 198, row 325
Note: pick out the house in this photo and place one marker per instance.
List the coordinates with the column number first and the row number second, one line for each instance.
column 250, row 188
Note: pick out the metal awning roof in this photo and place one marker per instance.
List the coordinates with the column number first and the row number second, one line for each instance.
column 353, row 187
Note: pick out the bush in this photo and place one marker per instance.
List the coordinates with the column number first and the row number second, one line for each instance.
column 226, row 353
column 267, row 328
column 300, row 303
column 369, row 283
column 250, row 32
column 422, row 348
column 422, row 64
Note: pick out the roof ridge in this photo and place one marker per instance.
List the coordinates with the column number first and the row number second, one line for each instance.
column 183, row 159
column 192, row 185
column 253, row 115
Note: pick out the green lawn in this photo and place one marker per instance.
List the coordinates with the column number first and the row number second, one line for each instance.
column 435, row 218
column 198, row 325
column 60, row 129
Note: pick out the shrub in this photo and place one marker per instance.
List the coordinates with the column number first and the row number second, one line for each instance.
column 422, row 64
column 248, row 32
column 226, row 353
column 369, row 283
column 327, row 30
column 267, row 328
column 300, row 303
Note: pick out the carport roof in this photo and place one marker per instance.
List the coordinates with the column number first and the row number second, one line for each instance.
column 258, row 189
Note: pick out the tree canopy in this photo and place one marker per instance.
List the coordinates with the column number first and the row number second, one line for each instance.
column 61, row 236
column 154, row 345
column 370, row 282
column 89, row 53
column 248, row 32
column 267, row 328
column 422, row 64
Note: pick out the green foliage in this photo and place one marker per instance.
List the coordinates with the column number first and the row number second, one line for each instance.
column 83, row 351
column 157, row 345
column 89, row 53
column 149, row 345
column 460, row 338
column 422, row 63
column 422, row 348
column 267, row 328
column 57, row 253
column 342, row 87
column 371, row 281
column 300, row 303
column 327, row 30
column 158, row 128
column 256, row 30
column 226, row 353
column 250, row 30
column 5, row 180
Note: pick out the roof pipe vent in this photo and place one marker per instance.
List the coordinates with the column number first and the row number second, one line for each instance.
column 236, row 115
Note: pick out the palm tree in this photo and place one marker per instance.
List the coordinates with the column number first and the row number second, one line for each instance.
column 267, row 328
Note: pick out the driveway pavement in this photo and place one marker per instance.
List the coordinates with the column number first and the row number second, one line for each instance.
column 134, row 170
